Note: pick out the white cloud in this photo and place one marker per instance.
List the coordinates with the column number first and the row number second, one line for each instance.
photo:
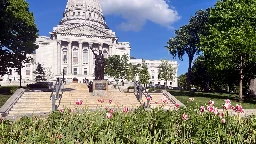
column 138, row 12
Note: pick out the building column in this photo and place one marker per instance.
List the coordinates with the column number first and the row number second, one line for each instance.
column 70, row 58
column 110, row 48
column 58, row 57
column 80, row 57
column 90, row 59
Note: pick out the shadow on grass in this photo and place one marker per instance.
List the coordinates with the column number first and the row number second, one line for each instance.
column 223, row 96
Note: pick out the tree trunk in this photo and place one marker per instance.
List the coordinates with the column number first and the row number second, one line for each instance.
column 241, row 80
column 189, row 74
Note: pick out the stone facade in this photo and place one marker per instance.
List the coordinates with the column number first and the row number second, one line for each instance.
column 68, row 48
column 153, row 71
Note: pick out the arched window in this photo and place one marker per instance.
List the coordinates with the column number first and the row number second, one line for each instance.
column 85, row 56
column 65, row 55
column 75, row 56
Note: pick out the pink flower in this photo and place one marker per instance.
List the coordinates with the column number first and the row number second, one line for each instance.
column 79, row 102
column 108, row 115
column 216, row 111
column 191, row 99
column 106, row 108
column 110, row 101
column 165, row 100
column 221, row 115
column 227, row 101
column 202, row 109
column 211, row 102
column 210, row 108
column 156, row 102
column 72, row 111
column 223, row 121
column 61, row 110
column 99, row 100
column 177, row 105
column 126, row 109
column 111, row 111
column 184, row 116
column 227, row 106
column 239, row 108
column 148, row 98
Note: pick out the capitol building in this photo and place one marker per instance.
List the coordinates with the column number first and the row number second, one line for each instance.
column 68, row 47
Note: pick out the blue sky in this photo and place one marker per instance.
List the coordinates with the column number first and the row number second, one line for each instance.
column 152, row 32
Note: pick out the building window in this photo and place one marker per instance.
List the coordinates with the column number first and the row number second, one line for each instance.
column 93, row 59
column 65, row 70
column 74, row 13
column 27, row 72
column 105, row 54
column 75, row 56
column 170, row 83
column 10, row 72
column 27, row 65
column 79, row 13
column 85, row 71
column 153, row 77
column 75, row 71
column 64, row 56
column 85, row 56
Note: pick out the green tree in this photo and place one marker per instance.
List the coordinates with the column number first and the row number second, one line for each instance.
column 231, row 41
column 144, row 74
column 187, row 39
column 117, row 66
column 132, row 71
column 40, row 73
column 18, row 33
column 182, row 80
column 166, row 71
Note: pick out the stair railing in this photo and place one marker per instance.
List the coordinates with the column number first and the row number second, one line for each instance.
column 57, row 89
column 139, row 91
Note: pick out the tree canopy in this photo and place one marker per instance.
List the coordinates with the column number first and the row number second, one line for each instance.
column 18, row 33
column 187, row 39
column 231, row 42
column 144, row 74
column 166, row 71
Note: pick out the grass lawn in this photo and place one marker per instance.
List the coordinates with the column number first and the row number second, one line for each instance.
column 3, row 99
column 201, row 98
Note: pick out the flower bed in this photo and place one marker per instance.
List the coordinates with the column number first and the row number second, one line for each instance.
column 195, row 124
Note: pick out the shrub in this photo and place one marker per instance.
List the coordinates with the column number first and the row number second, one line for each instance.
column 37, row 85
column 130, row 87
column 182, row 125
column 8, row 90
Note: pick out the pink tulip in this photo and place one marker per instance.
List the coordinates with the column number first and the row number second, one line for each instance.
column 156, row 102
column 110, row 101
column 79, row 102
column 72, row 111
column 148, row 98
column 221, row 115
column 202, row 109
column 227, row 106
column 99, row 100
column 184, row 116
column 191, row 99
column 211, row 102
column 61, row 110
column 239, row 108
column 223, row 121
column 111, row 111
column 108, row 115
column 227, row 101
column 210, row 108
column 165, row 100
column 126, row 109
column 216, row 111
column 177, row 105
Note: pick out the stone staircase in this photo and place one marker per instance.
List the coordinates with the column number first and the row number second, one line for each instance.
column 40, row 103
